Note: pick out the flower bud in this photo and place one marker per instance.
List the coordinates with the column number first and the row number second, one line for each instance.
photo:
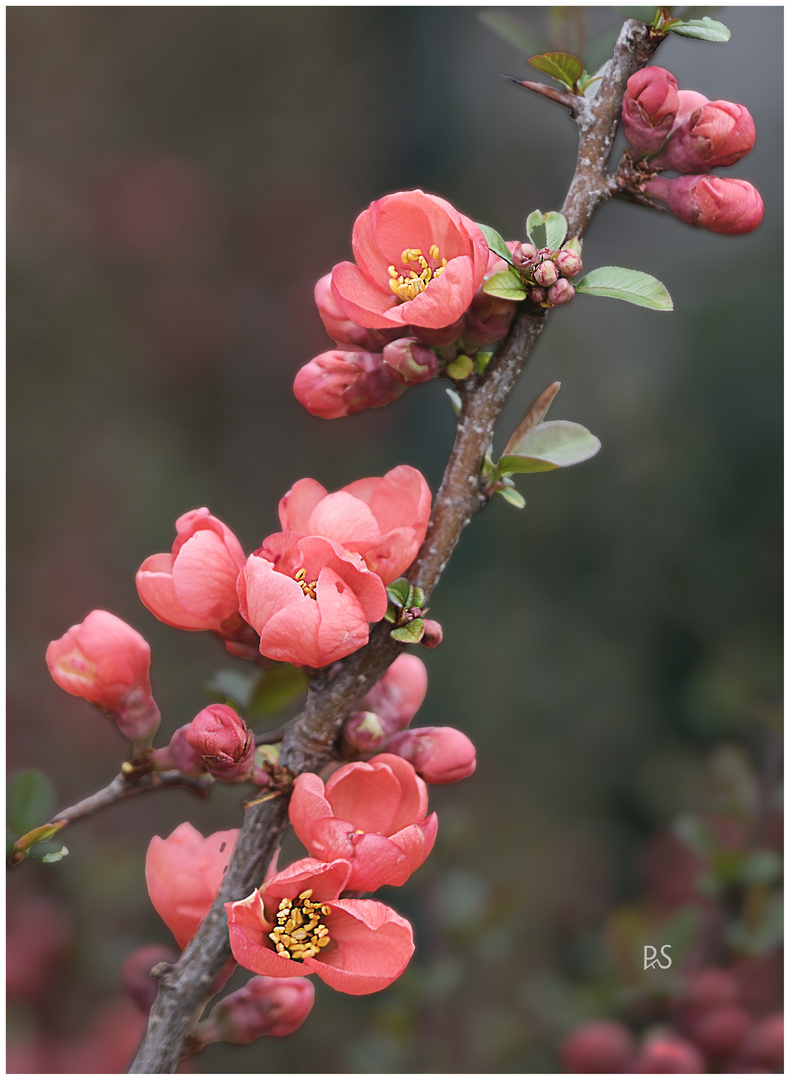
column 441, row 755
column 265, row 1006
column 179, row 754
column 716, row 203
column 601, row 1046
column 409, row 361
column 668, row 1054
column 338, row 325
column 537, row 296
column 719, row 133
column 105, row 661
column 569, row 262
column 224, row 742
column 561, row 291
column 688, row 102
column 432, row 635
column 523, row 254
column 545, row 274
column 650, row 106
column 364, row 731
column 342, row 382
column 136, row 977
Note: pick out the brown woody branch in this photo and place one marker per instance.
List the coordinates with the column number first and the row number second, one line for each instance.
column 307, row 745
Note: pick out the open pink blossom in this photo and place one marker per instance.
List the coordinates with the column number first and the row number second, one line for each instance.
column 383, row 518
column 345, row 381
column 105, row 661
column 194, row 587
column 184, row 873
column 296, row 925
column 419, row 262
column 372, row 813
column 309, row 599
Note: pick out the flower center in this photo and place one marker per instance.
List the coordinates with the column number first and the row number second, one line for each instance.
column 414, row 281
column 307, row 587
column 299, row 933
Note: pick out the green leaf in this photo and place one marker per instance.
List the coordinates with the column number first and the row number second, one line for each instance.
column 482, row 360
column 622, row 284
column 416, row 597
column 55, row 856
column 455, row 400
column 514, row 30
column 392, row 612
column 704, row 29
column 276, row 687
column 411, row 633
column 536, row 413
column 507, row 284
column 398, row 591
column 547, row 230
column 555, row 444
column 513, row 497
column 563, row 67
column 496, row 243
column 30, row 800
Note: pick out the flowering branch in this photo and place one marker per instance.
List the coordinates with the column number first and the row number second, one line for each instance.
column 334, row 691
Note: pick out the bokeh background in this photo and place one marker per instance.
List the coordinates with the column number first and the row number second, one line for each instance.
column 178, row 179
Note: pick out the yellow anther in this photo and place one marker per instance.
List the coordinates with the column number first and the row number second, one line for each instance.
column 434, row 251
column 392, row 271
column 285, row 904
column 326, row 909
column 306, row 894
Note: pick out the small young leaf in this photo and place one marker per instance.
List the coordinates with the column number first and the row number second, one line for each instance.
column 496, row 243
column 411, row 633
column 515, row 30
column 398, row 591
column 37, row 836
column 276, row 687
column 30, row 800
column 563, row 67
column 632, row 285
column 55, row 856
column 507, row 284
column 455, row 400
column 513, row 497
column 392, row 613
column 482, row 360
column 536, row 413
column 547, row 230
column 416, row 597
column 555, row 444
column 704, row 29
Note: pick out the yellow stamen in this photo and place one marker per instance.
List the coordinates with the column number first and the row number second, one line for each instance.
column 410, row 282
column 298, row 933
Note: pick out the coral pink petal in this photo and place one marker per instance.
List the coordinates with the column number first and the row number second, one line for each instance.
column 445, row 299
column 308, row 805
column 413, row 791
column 366, row 794
column 374, row 945
column 204, row 577
column 480, row 251
column 155, row 588
column 378, row 861
column 291, row 634
column 362, row 301
column 416, row 842
column 340, row 516
column 326, row 879
column 393, row 555
column 405, row 221
column 344, row 625
column 297, row 505
column 265, row 592
column 330, row 838
column 370, row 259
column 402, row 497
column 320, row 553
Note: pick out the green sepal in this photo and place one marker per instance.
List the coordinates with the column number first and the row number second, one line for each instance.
column 411, row 633
column 561, row 66
column 496, row 243
column 515, row 498
column 620, row 283
column 507, row 284
column 555, row 444
column 547, row 230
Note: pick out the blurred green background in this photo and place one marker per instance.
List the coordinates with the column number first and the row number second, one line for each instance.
column 178, row 179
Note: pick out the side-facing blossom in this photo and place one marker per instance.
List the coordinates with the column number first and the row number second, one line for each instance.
column 418, row 261
column 183, row 873
column 194, row 587
column 716, row 134
column 309, row 599
column 345, row 381
column 650, row 105
column 716, row 203
column 441, row 755
column 105, row 661
column 295, row 924
column 382, row 518
column 390, row 705
column 371, row 813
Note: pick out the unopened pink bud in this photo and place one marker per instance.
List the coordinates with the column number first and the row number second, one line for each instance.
column 437, row 338
column 523, row 253
column 569, row 263
column 265, row 1006
column 441, row 755
column 545, row 274
column 650, row 106
column 224, row 742
column 136, row 977
column 601, row 1046
column 342, row 382
column 338, row 325
column 364, row 731
column 561, row 292
column 716, row 203
column 537, row 295
column 688, row 102
column 409, row 361
column 179, row 754
column 719, row 133
column 432, row 635
column 105, row 661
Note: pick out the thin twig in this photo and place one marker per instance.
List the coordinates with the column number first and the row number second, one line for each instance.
column 568, row 101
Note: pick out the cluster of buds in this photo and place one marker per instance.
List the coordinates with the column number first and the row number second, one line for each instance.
column 547, row 273
column 682, row 130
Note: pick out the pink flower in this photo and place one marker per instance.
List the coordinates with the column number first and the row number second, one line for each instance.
column 718, row 133
column 224, row 742
column 342, row 382
column 390, row 705
column 309, row 599
column 280, row 930
column 441, row 755
column 184, row 874
column 265, row 1006
column 194, row 588
column 650, row 105
column 371, row 813
column 418, row 262
column 384, row 518
column 105, row 661
column 716, row 203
